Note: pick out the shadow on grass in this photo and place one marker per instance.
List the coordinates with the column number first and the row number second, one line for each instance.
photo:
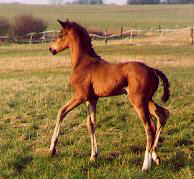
column 136, row 149
column 103, row 120
column 173, row 131
column 109, row 157
column 177, row 161
column 102, row 160
column 21, row 162
column 183, row 142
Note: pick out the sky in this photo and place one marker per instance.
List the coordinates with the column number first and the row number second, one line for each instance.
column 118, row 2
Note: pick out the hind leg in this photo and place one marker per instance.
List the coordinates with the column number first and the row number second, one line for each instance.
column 161, row 115
column 141, row 106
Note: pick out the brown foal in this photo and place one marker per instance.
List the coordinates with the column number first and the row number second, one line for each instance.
column 92, row 78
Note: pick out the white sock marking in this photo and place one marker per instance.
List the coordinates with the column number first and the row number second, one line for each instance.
column 147, row 161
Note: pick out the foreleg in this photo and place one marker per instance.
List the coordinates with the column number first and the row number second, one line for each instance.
column 91, row 125
column 73, row 103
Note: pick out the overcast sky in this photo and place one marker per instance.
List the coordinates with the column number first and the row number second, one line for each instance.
column 119, row 2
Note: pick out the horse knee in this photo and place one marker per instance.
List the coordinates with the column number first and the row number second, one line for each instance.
column 61, row 114
column 90, row 126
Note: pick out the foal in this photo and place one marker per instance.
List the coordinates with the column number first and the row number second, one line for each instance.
column 93, row 77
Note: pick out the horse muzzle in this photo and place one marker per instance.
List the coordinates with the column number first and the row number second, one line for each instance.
column 53, row 51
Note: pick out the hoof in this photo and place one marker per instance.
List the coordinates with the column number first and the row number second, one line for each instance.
column 155, row 158
column 157, row 161
column 93, row 158
column 53, row 152
column 146, row 168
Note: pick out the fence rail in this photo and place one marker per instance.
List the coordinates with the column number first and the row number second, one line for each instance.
column 184, row 35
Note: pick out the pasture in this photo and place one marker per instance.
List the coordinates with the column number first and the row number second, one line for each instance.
column 34, row 84
column 110, row 17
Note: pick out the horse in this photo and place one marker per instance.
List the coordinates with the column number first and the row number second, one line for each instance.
column 92, row 78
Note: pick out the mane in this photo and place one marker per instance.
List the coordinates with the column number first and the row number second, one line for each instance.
column 85, row 39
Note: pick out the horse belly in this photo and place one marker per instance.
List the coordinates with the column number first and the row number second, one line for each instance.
column 109, row 87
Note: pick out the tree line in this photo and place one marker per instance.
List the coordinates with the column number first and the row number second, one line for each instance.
column 77, row 2
column 127, row 2
column 160, row 1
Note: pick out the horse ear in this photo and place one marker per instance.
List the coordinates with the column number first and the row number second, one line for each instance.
column 62, row 23
column 67, row 24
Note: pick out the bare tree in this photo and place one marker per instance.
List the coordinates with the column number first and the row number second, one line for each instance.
column 24, row 24
column 5, row 26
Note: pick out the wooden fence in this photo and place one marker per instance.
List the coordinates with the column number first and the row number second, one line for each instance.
column 160, row 35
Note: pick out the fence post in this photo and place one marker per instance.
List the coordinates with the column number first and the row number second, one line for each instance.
column 160, row 33
column 130, row 38
column 31, row 38
column 191, row 40
column 159, row 30
column 106, row 40
column 43, row 37
column 121, row 32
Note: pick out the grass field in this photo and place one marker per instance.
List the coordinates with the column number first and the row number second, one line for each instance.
column 111, row 17
column 34, row 84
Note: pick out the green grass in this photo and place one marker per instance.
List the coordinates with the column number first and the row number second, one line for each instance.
column 111, row 17
column 34, row 84
column 11, row 51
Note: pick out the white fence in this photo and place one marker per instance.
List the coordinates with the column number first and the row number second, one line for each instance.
column 172, row 36
column 30, row 38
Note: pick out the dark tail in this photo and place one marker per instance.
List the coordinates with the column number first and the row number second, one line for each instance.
column 166, row 85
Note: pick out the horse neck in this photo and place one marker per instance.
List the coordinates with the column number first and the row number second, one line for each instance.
column 79, row 55
column 76, row 52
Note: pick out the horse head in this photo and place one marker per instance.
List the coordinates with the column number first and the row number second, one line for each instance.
column 61, row 41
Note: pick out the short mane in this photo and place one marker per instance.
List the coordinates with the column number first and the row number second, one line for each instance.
column 85, row 39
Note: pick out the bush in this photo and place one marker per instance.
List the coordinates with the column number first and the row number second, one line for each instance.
column 25, row 24
column 5, row 26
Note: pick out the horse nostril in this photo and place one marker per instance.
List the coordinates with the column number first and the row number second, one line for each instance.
column 53, row 51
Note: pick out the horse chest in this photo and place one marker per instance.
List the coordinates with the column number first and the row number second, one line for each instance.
column 81, row 85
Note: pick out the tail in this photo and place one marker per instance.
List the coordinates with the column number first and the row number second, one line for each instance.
column 166, row 85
